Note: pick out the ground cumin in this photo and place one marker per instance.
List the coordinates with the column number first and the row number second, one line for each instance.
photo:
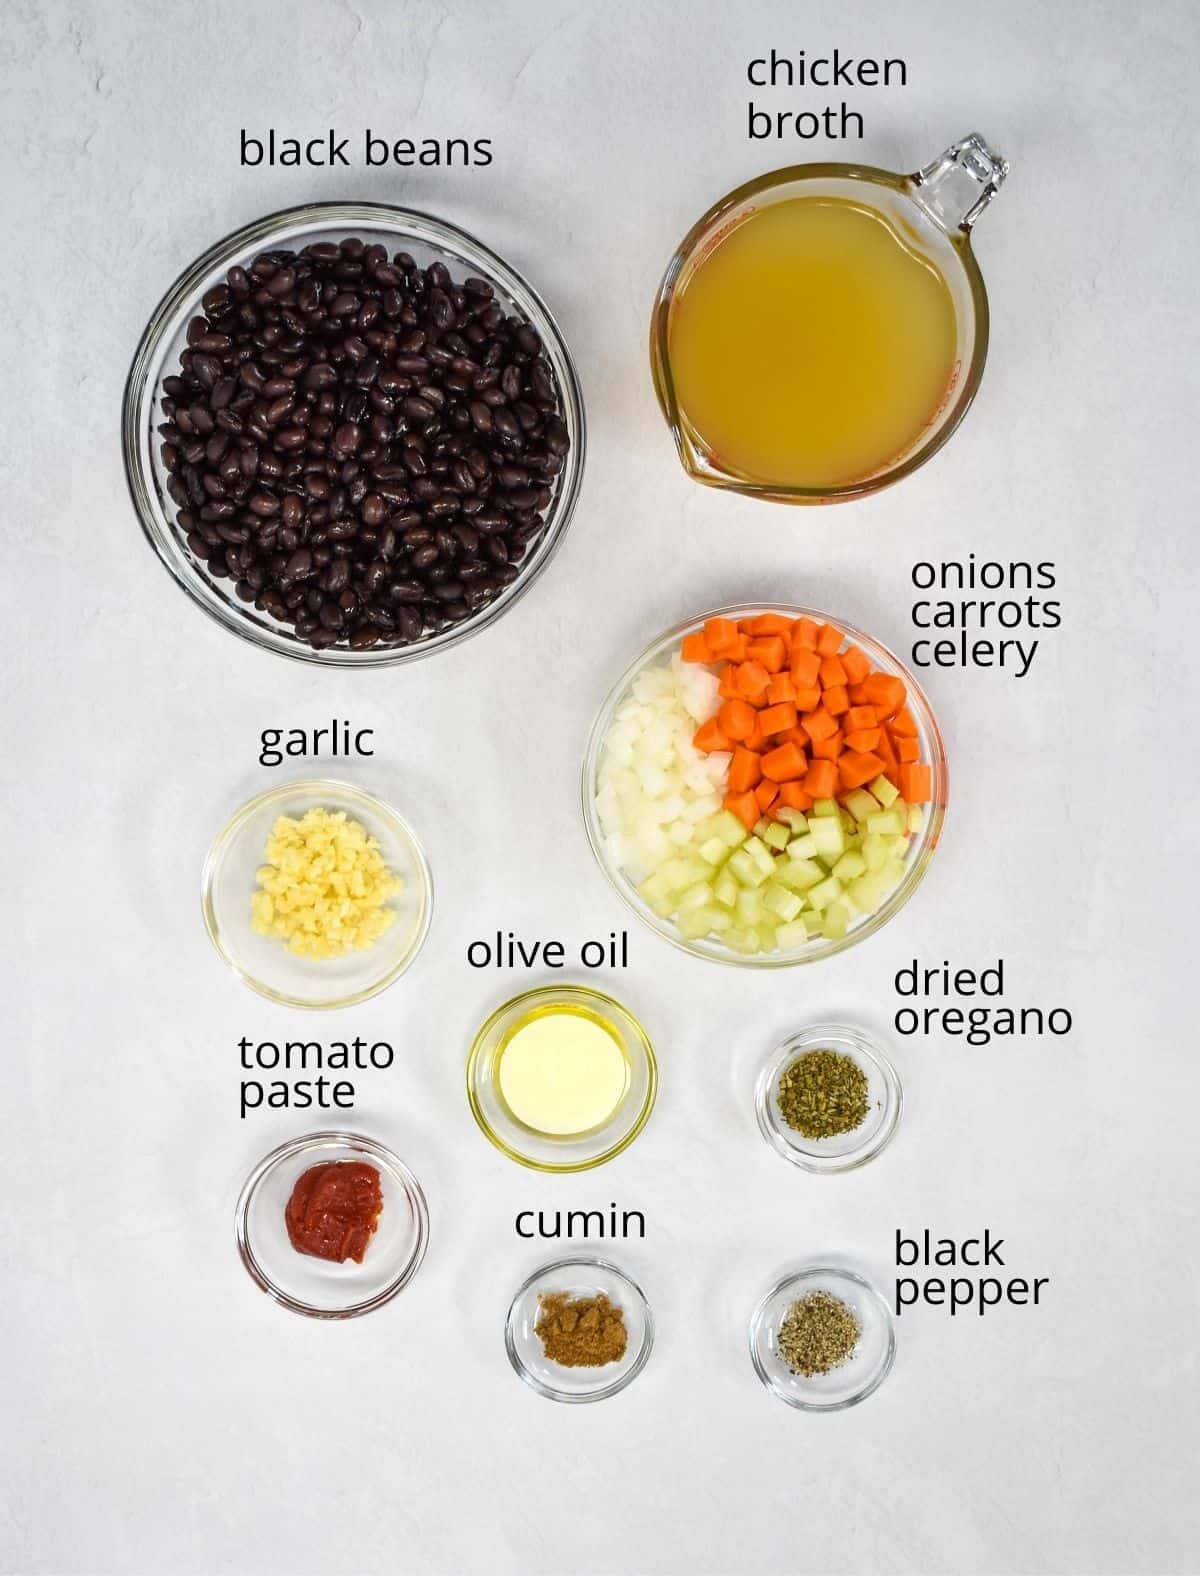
column 580, row 1332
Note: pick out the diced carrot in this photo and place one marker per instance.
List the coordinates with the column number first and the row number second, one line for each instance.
column 916, row 783
column 765, row 795
column 796, row 736
column 756, row 739
column 780, row 689
column 884, row 692
column 784, row 764
column 833, row 674
column 829, row 640
column 736, row 719
column 828, row 749
column 856, row 768
column 794, row 796
column 695, row 647
column 770, row 624
column 745, row 807
column 777, row 719
column 722, row 637
column 863, row 739
column 903, row 722
column 836, row 701
column 806, row 665
column 858, row 694
column 710, row 736
column 907, row 750
column 727, row 688
column 860, row 717
column 821, row 780
column 804, row 633
column 856, row 664
column 817, row 724
column 738, row 654
column 807, row 697
column 771, row 651
column 745, row 770
column 752, row 681
column 887, row 750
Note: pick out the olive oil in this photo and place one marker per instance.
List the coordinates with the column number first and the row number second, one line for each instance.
column 813, row 344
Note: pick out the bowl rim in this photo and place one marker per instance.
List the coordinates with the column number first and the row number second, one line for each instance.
column 820, row 1035
column 139, row 402
column 795, row 1278
column 615, row 1386
column 400, row 1172
column 319, row 785
column 960, row 400
column 570, row 991
column 917, row 864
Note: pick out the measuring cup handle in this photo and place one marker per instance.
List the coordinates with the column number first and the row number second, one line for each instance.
column 958, row 185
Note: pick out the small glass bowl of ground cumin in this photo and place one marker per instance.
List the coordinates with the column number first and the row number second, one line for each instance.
column 828, row 1098
column 822, row 1339
column 579, row 1329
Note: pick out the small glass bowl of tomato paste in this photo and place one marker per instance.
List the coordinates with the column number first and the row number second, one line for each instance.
column 319, row 1287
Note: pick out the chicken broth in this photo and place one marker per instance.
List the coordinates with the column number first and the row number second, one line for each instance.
column 813, row 344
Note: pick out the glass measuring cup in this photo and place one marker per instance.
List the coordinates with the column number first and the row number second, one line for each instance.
column 935, row 208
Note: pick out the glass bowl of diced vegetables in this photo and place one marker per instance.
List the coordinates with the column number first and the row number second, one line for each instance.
column 765, row 785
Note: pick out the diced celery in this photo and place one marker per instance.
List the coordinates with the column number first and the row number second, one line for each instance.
column 743, row 940
column 776, row 835
column 869, row 892
column 849, row 866
column 693, row 925
column 761, row 855
column 889, row 823
column 729, row 829
column 885, row 791
column 916, row 818
column 824, row 893
column 875, row 851
column 713, row 851
column 782, row 902
column 680, row 833
column 830, row 839
column 726, row 889
column 793, row 935
column 749, row 907
column 836, row 921
column 796, row 819
column 812, row 921
column 822, row 808
column 698, row 896
column 745, row 870
column 761, row 825
column 766, row 935
column 861, row 804
column 802, row 847
column 798, row 874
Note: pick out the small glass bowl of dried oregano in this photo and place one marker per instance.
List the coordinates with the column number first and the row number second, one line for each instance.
column 579, row 1330
column 822, row 1339
column 828, row 1099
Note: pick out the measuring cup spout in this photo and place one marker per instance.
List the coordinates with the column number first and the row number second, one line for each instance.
column 958, row 185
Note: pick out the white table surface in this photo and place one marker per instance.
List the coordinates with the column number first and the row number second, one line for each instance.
column 158, row 1414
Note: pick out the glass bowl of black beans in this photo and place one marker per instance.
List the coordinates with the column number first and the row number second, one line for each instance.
column 353, row 434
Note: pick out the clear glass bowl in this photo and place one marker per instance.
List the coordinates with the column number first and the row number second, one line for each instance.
column 922, row 844
column 263, row 962
column 578, row 1277
column 847, row 1385
column 400, row 229
column 316, row 1287
column 541, row 1151
column 846, row 1151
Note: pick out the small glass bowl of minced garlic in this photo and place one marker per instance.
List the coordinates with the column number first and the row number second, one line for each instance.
column 828, row 1098
column 317, row 894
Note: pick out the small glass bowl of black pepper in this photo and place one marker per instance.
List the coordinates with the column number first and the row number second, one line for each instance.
column 353, row 434
column 822, row 1339
column 828, row 1099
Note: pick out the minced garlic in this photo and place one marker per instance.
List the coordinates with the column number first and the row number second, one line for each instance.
column 326, row 887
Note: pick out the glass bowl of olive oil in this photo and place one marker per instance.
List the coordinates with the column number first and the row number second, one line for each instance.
column 562, row 1078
